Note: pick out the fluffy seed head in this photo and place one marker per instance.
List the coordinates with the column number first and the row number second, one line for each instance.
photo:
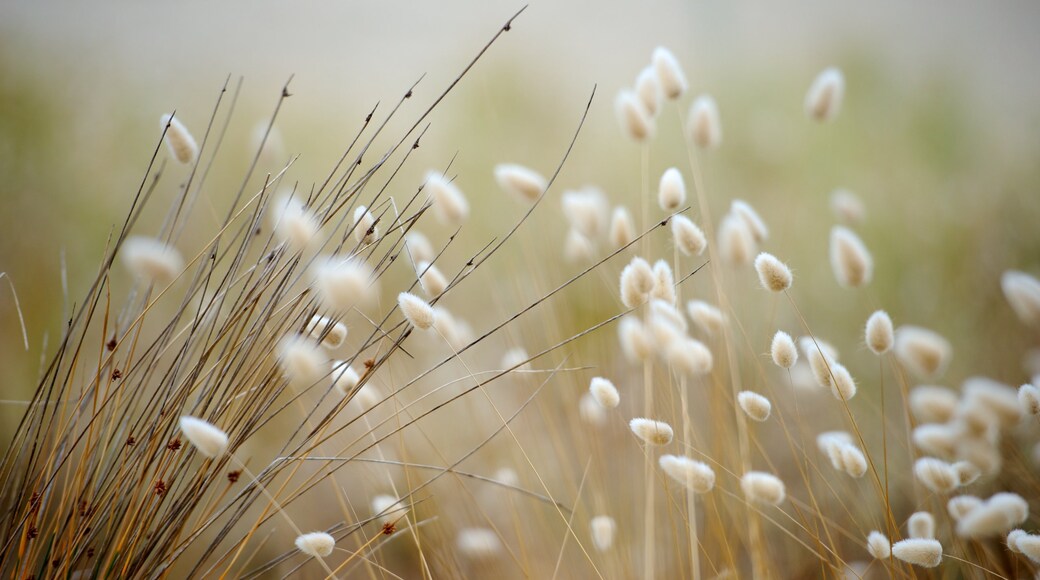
column 637, row 280
column 316, row 544
column 967, row 472
column 603, row 528
column 578, row 248
column 693, row 474
column 478, row 543
column 591, row 411
column 853, row 462
column 961, row 505
column 457, row 331
column 736, row 243
column 1029, row 398
column 932, row 404
column 432, row 280
column 507, row 476
column 831, row 444
column 690, row 356
column 754, row 405
column 515, row 357
column 1027, row 544
column 178, row 139
column 344, row 378
column 823, row 101
column 151, row 260
column 995, row 516
column 587, row 211
column 635, row 121
column 847, row 207
column 936, row 439
column 302, row 360
column 783, row 350
column 365, row 230
column 755, row 223
column 708, row 318
column 292, row 223
column 922, row 351
column 416, row 310
column 879, row 333
column 688, row 236
column 648, row 89
column 522, row 183
column 919, row 552
column 763, row 487
column 878, row 545
column 998, row 398
column 449, row 204
column 935, row 474
column 1012, row 540
column 622, row 228
column 843, row 387
column 343, row 283
column 635, row 342
column 669, row 73
column 921, row 525
column 419, row 247
column 328, row 332
column 851, row 261
column 664, row 282
column 604, row 392
column 773, row 274
column 206, row 437
column 671, row 192
column 1023, row 294
column 388, row 508
column 654, row 433
column 704, row 126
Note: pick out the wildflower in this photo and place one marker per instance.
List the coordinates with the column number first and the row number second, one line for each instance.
column 206, row 437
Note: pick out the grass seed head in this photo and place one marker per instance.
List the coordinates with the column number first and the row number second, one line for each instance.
column 736, row 244
column 432, row 280
column 330, row 333
column 653, row 433
column 773, row 274
column 671, row 191
column 603, row 529
column 669, row 73
column 879, row 333
column 178, row 139
column 1023, row 294
column 754, row 405
column 636, row 122
column 151, row 260
column 316, row 544
column 755, row 223
column 416, row 310
column 648, row 89
column 878, row 545
column 365, row 222
column 449, row 203
column 695, row 475
column 688, row 237
column 783, row 351
column 847, row 207
column 622, row 228
column 764, row 488
column 704, row 126
column 343, row 283
column 919, row 552
column 921, row 525
column 206, row 437
column 823, row 101
column 708, row 318
column 522, row 183
column 851, row 262
column 923, row 352
column 604, row 392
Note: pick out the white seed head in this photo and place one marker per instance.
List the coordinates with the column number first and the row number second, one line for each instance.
column 1027, row 544
column 344, row 378
column 636, row 122
column 704, row 126
column 293, row 223
column 878, row 545
column 328, row 332
column 622, row 228
column 365, row 229
column 343, row 283
column 664, row 282
column 671, row 192
column 783, row 350
column 935, row 474
column 879, row 334
column 831, row 444
column 998, row 398
column 695, row 475
column 688, row 237
column 1023, row 294
column 932, row 404
column 690, row 356
column 924, row 352
column 416, row 310
column 526, row 185
column 591, row 411
column 302, row 360
column 578, row 248
column 706, row 317
column 635, row 342
column 843, row 386
column 761, row 487
column 637, row 280
column 648, row 89
column 478, row 543
column 432, row 280
column 851, row 261
column 802, row 377
column 669, row 73
column 1012, row 540
column 603, row 528
column 995, row 516
column 151, row 260
column 654, row 433
column 847, row 207
column 961, row 505
column 967, row 472
column 754, row 405
column 853, row 462
column 736, row 243
column 587, row 211
column 604, row 392
column 178, row 139
column 449, row 204
column 921, row 525
column 206, row 437
column 936, row 439
column 773, row 274
column 1029, row 398
column 507, row 476
column 919, row 552
column 823, row 101
column 755, row 223
column 515, row 357
column 457, row 331
column 316, row 544
column 388, row 508
column 419, row 247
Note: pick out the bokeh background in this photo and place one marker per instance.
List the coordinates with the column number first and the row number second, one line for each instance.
column 939, row 135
